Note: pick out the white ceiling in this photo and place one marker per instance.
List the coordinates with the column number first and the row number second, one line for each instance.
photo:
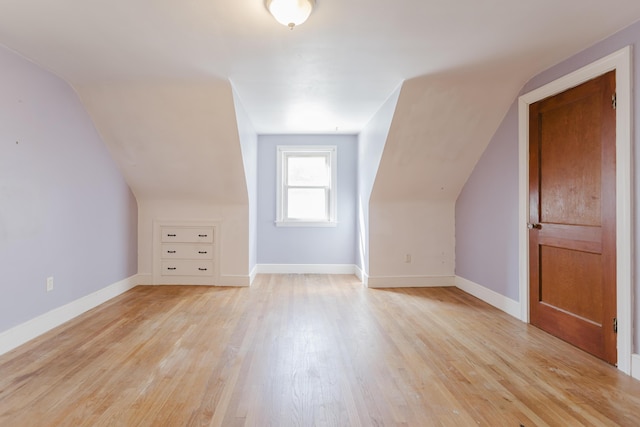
column 330, row 74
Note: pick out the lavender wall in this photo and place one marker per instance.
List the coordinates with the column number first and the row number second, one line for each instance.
column 487, row 214
column 65, row 209
column 471, row 259
column 307, row 245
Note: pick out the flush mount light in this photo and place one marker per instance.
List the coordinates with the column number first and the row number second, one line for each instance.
column 290, row 12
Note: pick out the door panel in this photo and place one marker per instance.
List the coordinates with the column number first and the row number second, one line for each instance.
column 570, row 191
column 571, row 281
column 572, row 207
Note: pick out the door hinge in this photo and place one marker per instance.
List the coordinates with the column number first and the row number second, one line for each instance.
column 615, row 325
column 614, row 101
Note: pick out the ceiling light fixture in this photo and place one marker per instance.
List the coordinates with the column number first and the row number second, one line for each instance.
column 290, row 12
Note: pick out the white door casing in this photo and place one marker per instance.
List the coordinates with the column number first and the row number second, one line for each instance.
column 620, row 61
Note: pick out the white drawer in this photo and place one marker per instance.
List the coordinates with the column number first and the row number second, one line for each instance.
column 184, row 267
column 187, row 234
column 186, row 251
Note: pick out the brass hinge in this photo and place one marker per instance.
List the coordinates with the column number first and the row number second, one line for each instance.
column 614, row 101
column 615, row 325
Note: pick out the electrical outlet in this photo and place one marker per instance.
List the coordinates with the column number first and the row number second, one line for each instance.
column 49, row 284
column 407, row 258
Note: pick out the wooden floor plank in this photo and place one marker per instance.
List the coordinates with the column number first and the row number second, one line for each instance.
column 307, row 350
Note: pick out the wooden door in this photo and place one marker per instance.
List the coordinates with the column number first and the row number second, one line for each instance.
column 572, row 216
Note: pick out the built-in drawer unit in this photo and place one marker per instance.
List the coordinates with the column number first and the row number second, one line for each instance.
column 187, row 234
column 184, row 253
column 186, row 267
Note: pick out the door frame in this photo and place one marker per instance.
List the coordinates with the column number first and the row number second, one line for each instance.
column 620, row 61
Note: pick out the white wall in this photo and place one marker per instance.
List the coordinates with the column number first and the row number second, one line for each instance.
column 424, row 230
column 233, row 239
column 441, row 125
column 249, row 145
column 370, row 147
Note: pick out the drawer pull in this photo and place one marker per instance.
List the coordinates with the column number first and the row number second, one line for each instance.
column 171, row 235
column 202, row 269
column 202, row 235
column 202, row 252
column 171, row 252
column 171, row 268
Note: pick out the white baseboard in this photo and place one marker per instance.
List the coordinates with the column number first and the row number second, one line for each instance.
column 237, row 281
column 493, row 298
column 223, row 280
column 364, row 277
column 145, row 279
column 635, row 366
column 306, row 268
column 252, row 275
column 410, row 281
column 33, row 328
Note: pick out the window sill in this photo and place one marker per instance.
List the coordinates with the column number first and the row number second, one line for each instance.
column 306, row 223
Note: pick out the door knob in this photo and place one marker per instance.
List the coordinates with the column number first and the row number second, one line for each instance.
column 531, row 226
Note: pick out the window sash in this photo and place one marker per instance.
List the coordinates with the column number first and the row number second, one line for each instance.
column 289, row 216
column 322, row 178
column 284, row 214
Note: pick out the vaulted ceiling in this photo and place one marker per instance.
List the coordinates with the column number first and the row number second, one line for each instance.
column 331, row 74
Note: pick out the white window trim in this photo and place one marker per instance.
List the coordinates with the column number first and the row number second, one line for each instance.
column 282, row 151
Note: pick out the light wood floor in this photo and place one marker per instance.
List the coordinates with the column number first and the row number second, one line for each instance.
column 304, row 350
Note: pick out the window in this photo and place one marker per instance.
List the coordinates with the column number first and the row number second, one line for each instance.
column 306, row 186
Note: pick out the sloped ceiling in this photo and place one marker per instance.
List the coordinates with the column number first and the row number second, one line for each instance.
column 140, row 64
column 441, row 126
column 336, row 70
column 173, row 140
